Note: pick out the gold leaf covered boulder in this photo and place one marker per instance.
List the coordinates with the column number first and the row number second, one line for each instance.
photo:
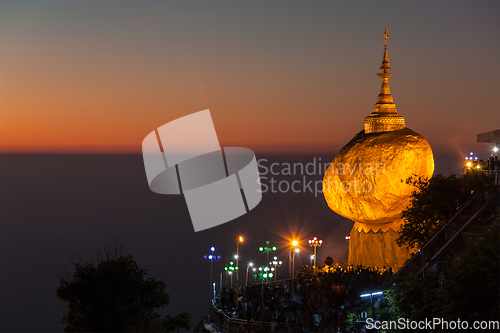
column 366, row 181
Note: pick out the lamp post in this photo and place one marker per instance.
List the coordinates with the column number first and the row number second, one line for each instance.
column 264, row 274
column 292, row 263
column 212, row 257
column 250, row 264
column 371, row 300
column 315, row 242
column 275, row 263
column 240, row 240
column 297, row 250
column 267, row 249
column 230, row 270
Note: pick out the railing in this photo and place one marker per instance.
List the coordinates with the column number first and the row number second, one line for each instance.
column 419, row 255
column 228, row 324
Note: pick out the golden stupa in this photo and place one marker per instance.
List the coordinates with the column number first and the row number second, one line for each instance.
column 366, row 181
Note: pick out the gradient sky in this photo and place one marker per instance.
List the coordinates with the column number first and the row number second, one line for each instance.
column 278, row 76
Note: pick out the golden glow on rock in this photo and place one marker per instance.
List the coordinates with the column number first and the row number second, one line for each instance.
column 366, row 182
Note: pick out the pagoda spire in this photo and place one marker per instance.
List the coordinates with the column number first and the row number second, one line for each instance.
column 385, row 61
column 384, row 117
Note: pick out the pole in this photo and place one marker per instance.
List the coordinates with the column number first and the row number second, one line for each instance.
column 314, row 257
column 262, row 306
column 246, row 283
column 373, row 308
column 211, row 269
column 213, row 306
column 237, row 260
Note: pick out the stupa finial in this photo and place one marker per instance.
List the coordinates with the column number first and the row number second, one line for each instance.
column 384, row 117
column 385, row 61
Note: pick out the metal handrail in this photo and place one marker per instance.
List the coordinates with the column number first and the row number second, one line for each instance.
column 421, row 251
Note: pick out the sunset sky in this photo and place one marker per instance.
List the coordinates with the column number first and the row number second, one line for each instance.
column 277, row 76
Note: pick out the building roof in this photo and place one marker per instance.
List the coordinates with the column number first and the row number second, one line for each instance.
column 489, row 137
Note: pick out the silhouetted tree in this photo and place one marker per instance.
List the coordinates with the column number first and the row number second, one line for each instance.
column 478, row 262
column 180, row 322
column 434, row 201
column 114, row 295
column 467, row 289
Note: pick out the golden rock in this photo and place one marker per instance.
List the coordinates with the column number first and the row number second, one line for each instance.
column 366, row 182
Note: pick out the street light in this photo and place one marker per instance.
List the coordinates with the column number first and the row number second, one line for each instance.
column 293, row 261
column 315, row 242
column 250, row 264
column 275, row 263
column 264, row 274
column 231, row 269
column 212, row 257
column 240, row 240
column 267, row 249
column 371, row 300
column 295, row 243
column 312, row 258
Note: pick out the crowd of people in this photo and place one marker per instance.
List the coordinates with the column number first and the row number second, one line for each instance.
column 310, row 302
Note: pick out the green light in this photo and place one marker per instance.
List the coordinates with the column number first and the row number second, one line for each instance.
column 274, row 248
column 270, row 275
column 261, row 249
column 225, row 268
column 236, row 268
column 231, row 268
column 265, row 275
column 231, row 263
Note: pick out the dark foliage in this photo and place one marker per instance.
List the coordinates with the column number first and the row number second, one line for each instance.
column 434, row 201
column 111, row 295
column 179, row 322
column 468, row 288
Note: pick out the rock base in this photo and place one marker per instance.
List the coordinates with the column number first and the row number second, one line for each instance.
column 377, row 247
